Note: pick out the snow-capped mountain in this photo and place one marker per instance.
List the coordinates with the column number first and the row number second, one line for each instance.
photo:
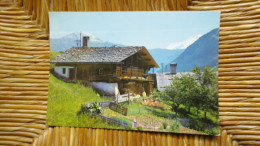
column 203, row 51
column 72, row 40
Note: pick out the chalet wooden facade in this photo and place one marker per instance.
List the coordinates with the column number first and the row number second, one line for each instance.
column 126, row 66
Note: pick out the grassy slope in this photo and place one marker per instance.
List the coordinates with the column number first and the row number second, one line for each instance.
column 53, row 54
column 199, row 122
column 64, row 102
column 143, row 114
column 147, row 115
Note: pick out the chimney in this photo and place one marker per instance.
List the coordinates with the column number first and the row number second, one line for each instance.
column 86, row 41
column 173, row 67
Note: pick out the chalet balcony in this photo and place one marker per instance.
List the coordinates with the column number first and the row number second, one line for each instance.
column 129, row 71
column 132, row 73
column 113, row 77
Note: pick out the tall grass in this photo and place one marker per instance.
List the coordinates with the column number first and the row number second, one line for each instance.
column 53, row 54
column 65, row 101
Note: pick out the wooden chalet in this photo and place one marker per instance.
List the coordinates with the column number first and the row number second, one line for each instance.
column 126, row 66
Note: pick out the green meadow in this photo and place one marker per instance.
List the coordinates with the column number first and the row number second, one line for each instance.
column 65, row 101
column 164, row 120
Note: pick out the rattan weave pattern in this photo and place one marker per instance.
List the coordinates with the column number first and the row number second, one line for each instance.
column 24, row 65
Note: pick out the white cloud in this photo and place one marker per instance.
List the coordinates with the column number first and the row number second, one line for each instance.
column 183, row 44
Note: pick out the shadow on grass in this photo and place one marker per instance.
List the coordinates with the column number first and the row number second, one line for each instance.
column 182, row 112
column 190, row 120
column 197, row 122
column 161, row 113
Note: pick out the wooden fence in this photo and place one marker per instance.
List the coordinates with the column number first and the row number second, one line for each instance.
column 110, row 120
column 104, row 104
column 117, row 108
column 107, row 119
column 128, row 95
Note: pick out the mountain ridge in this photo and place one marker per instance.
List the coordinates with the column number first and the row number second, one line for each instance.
column 195, row 54
column 164, row 56
column 202, row 52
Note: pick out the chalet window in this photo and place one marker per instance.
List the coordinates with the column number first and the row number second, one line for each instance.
column 63, row 70
column 100, row 71
column 124, row 69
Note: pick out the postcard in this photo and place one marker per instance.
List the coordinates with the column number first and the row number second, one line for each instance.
column 144, row 71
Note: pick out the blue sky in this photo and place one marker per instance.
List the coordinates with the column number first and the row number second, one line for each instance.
column 171, row 30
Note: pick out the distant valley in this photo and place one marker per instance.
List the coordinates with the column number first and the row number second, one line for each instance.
column 164, row 56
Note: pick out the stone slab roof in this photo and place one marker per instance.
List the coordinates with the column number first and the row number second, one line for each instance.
column 96, row 54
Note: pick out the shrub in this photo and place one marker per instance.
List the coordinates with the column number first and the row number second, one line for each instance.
column 165, row 124
column 139, row 128
column 213, row 131
column 175, row 126
column 166, row 107
column 161, row 128
column 94, row 108
column 137, row 100
column 129, row 127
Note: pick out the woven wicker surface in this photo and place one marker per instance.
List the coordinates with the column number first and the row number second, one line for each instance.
column 24, row 65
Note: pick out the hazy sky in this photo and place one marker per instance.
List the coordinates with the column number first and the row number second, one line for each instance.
column 170, row 30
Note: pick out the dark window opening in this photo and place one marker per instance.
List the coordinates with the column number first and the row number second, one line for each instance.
column 124, row 69
column 100, row 71
column 63, row 70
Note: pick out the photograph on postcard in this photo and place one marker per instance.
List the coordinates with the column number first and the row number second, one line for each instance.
column 144, row 71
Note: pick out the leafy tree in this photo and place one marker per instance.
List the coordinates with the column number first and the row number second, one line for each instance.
column 157, row 95
column 209, row 76
column 196, row 97
column 198, row 73
column 189, row 89
column 198, row 90
column 207, row 96
column 181, row 91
